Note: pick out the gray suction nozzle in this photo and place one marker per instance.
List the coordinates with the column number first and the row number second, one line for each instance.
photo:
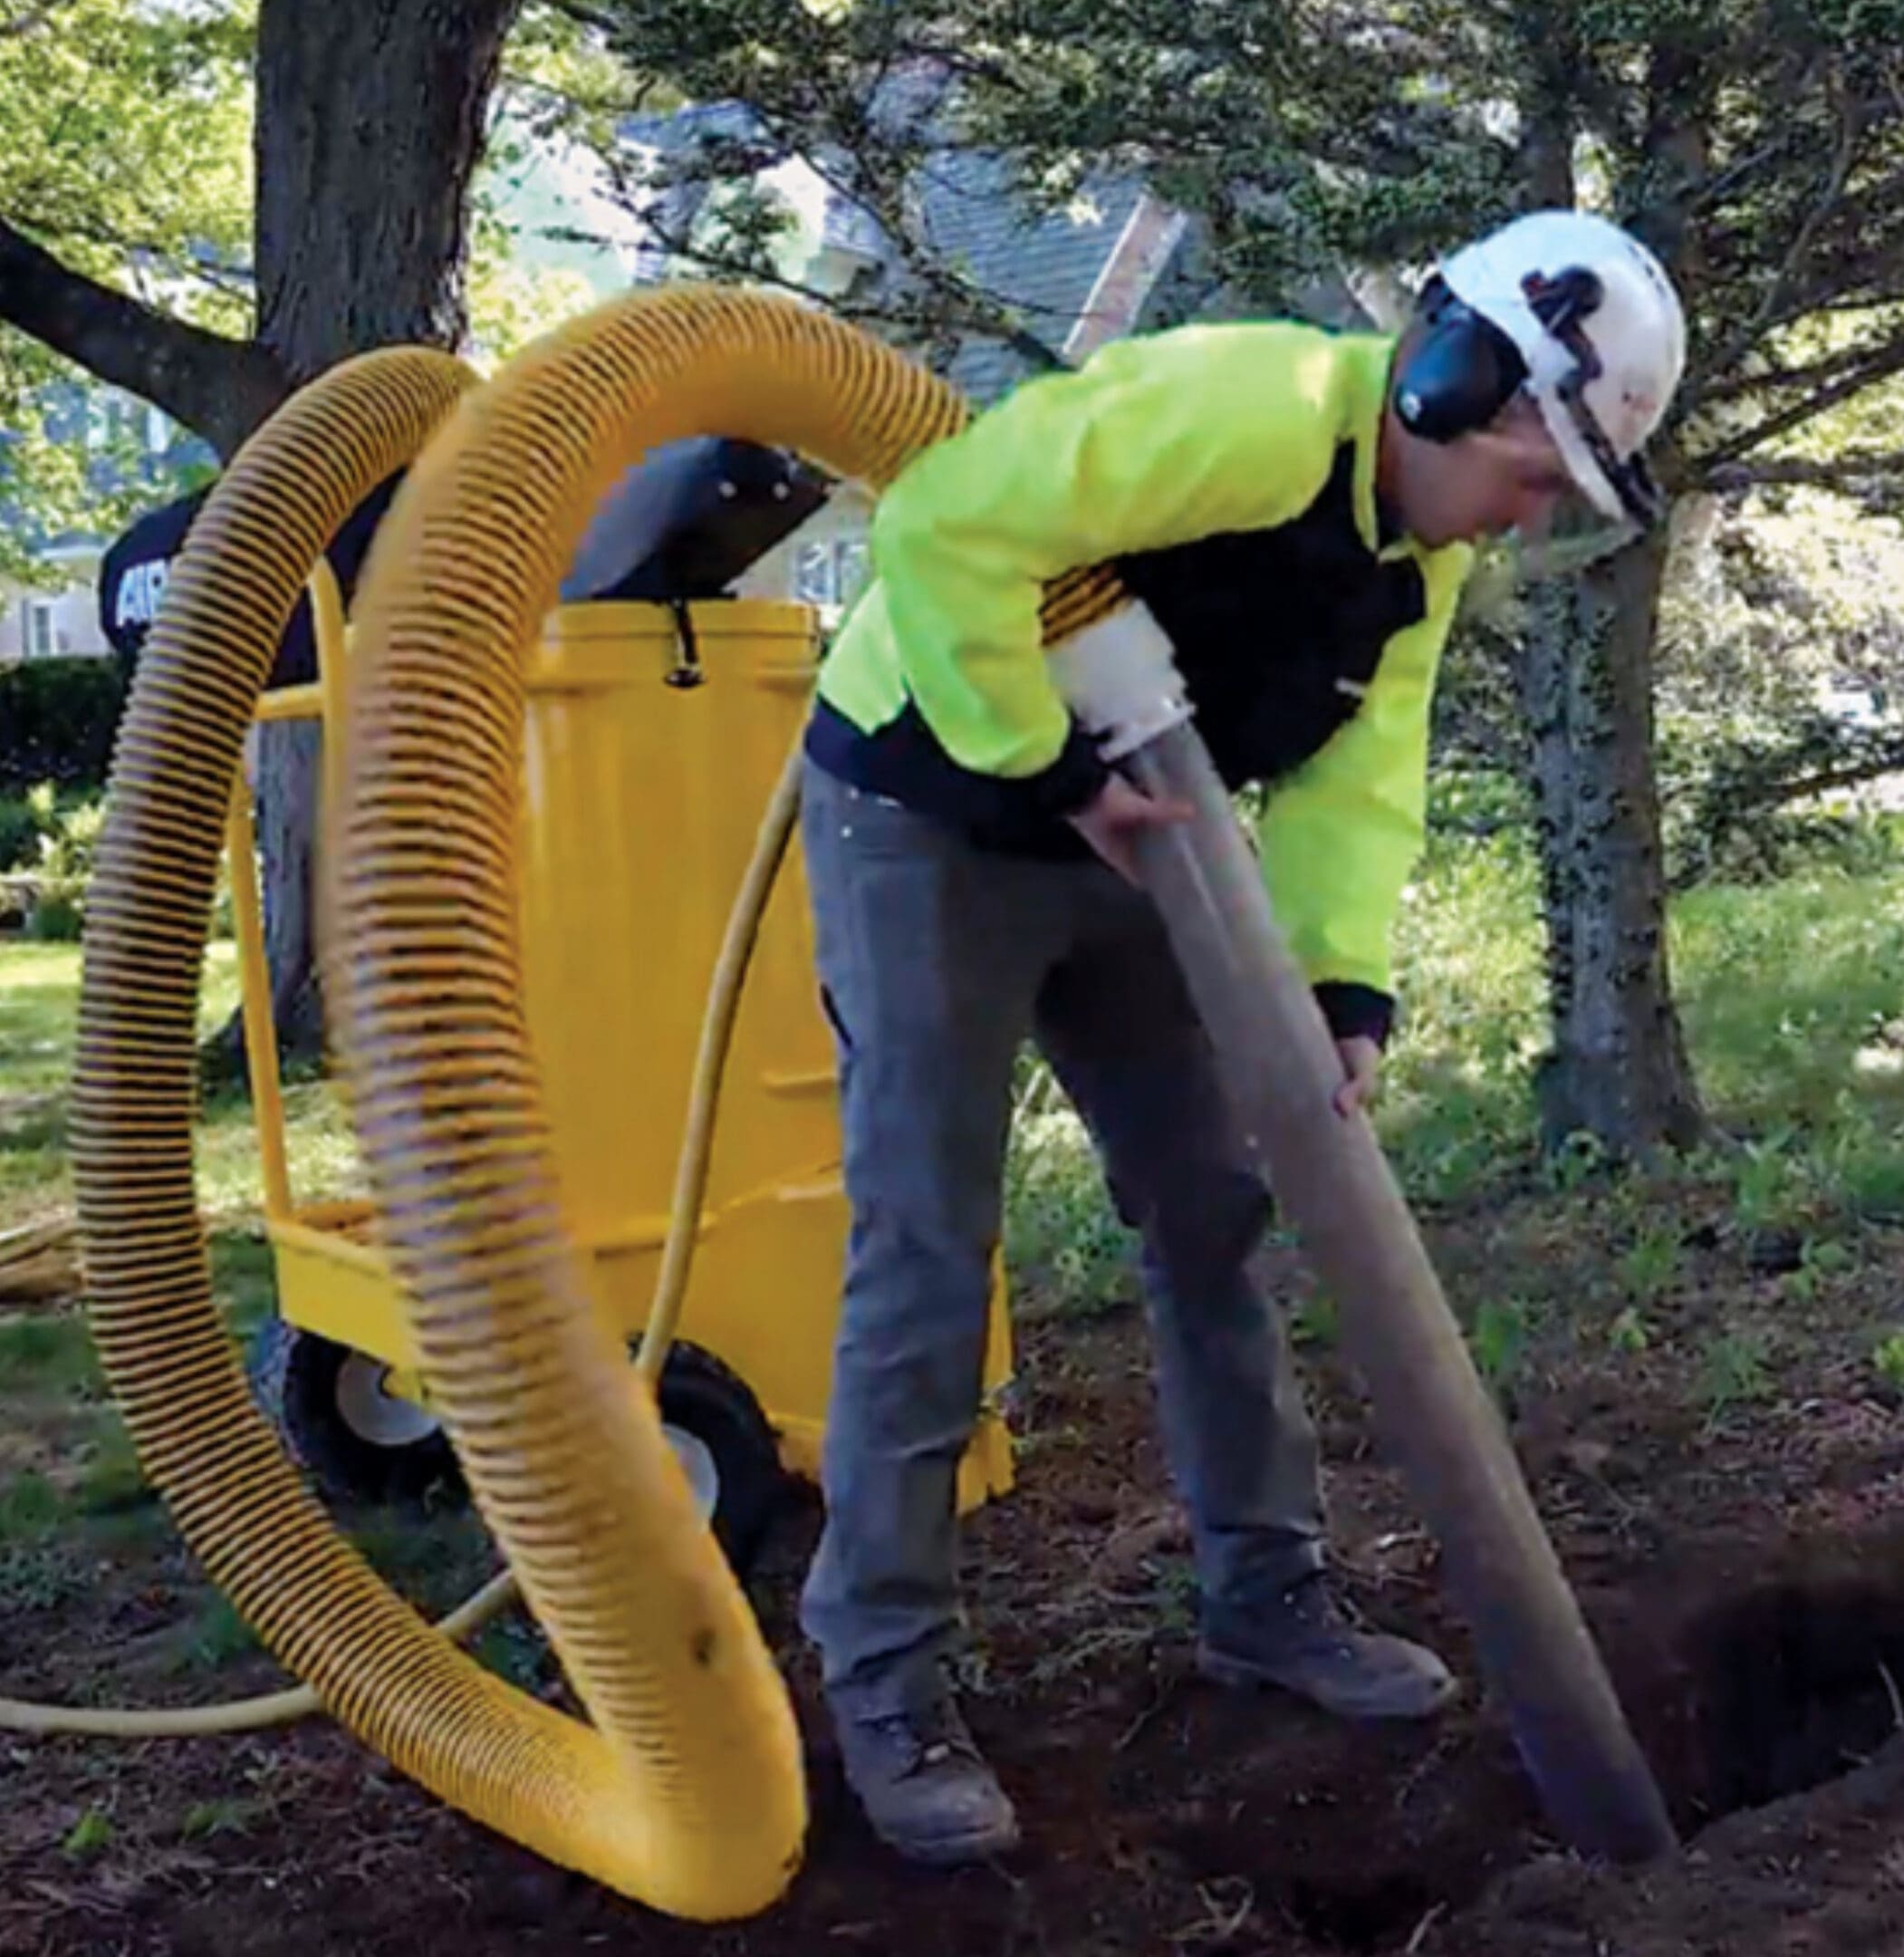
column 1333, row 1184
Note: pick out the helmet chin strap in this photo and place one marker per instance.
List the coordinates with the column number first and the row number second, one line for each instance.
column 1632, row 482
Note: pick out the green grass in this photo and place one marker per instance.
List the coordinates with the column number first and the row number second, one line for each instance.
column 1733, row 1374
column 91, row 1834
column 1064, row 1243
column 1651, row 1264
column 39, row 1000
column 231, row 1814
column 213, row 1637
column 1498, row 1339
column 31, row 1508
column 39, row 1004
column 111, row 1480
column 40, row 1575
column 435, row 1560
column 50, row 1355
column 1787, row 990
column 242, row 1280
column 1789, row 996
column 515, row 1648
column 1456, row 1102
column 1792, row 1010
column 1788, row 993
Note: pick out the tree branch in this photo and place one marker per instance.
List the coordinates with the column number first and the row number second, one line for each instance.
column 584, row 15
column 1716, row 188
column 1872, row 767
column 221, row 389
column 1777, row 380
column 1756, row 783
column 1843, row 473
column 1837, row 175
column 1891, row 361
column 1800, row 470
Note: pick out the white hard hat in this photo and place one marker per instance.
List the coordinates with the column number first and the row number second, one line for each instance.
column 1600, row 327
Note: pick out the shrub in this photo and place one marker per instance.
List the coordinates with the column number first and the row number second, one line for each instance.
column 58, row 718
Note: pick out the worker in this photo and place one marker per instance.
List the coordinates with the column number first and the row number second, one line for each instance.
column 1296, row 508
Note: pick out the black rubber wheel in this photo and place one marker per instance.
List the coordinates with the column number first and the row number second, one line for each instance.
column 727, row 1448
column 356, row 1440
column 360, row 1444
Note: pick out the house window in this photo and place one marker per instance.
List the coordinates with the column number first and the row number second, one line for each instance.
column 852, row 565
column 816, row 576
column 105, row 422
column 38, row 639
column 828, row 571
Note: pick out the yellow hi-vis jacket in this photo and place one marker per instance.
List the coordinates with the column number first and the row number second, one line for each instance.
column 1229, row 473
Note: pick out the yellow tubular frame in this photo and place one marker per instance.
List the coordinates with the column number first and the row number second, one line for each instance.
column 261, row 1036
column 321, row 700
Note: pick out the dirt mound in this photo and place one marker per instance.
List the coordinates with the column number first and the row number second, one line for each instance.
column 1817, row 1874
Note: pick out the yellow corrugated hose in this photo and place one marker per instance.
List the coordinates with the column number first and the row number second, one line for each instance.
column 725, row 990
column 686, row 1792
column 424, row 967
column 723, row 996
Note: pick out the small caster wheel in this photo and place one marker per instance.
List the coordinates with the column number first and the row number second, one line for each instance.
column 725, row 1447
column 357, row 1440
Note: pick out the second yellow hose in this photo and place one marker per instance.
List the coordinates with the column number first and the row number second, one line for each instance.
column 425, row 974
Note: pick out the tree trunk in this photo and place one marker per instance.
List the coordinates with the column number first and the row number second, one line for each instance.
column 369, row 124
column 290, row 755
column 1618, row 1069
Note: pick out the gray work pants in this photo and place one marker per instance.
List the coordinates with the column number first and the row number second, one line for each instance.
column 938, row 960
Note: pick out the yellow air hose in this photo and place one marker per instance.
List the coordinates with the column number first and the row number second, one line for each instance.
column 232, row 1715
column 167, row 1357
column 688, row 1793
column 723, row 996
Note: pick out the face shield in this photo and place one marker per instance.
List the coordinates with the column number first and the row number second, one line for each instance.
column 1613, row 499
column 1572, row 532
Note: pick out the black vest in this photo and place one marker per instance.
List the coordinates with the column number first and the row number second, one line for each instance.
column 1278, row 632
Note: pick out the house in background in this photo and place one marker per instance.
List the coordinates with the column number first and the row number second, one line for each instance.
column 1106, row 264
column 1114, row 260
column 60, row 620
column 127, row 445
column 542, row 197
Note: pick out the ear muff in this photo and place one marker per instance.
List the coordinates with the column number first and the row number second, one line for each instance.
column 1460, row 374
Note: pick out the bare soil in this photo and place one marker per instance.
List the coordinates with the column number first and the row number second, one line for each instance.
column 1740, row 1555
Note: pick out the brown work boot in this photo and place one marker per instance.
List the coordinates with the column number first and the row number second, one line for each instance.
column 926, row 1788
column 1307, row 1644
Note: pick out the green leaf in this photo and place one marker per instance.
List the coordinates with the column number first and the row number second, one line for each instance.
column 90, row 1835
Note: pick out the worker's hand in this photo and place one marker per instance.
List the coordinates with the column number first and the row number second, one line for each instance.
column 1361, row 1066
column 1112, row 823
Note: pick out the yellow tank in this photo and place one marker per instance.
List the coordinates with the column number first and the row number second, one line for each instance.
column 649, row 753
